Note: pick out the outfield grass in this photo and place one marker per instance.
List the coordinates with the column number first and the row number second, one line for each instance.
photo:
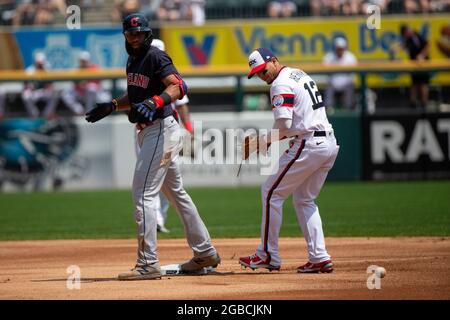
column 347, row 209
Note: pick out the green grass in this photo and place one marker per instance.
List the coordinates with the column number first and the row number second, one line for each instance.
column 347, row 209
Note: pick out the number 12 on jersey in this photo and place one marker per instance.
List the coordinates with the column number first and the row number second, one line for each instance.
column 315, row 95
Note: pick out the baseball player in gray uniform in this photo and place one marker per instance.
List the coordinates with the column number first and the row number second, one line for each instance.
column 180, row 107
column 153, row 83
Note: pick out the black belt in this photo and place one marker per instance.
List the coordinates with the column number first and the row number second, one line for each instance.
column 320, row 134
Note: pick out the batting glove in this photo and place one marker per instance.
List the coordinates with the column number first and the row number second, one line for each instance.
column 100, row 111
column 146, row 108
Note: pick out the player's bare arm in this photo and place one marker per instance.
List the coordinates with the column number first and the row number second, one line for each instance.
column 175, row 87
column 122, row 103
column 282, row 126
column 261, row 144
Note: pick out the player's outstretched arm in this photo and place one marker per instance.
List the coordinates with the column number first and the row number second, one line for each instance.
column 283, row 126
column 104, row 109
column 262, row 143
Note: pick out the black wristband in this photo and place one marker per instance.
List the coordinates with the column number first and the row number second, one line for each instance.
column 166, row 98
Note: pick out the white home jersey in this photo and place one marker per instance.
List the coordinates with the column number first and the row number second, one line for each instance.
column 294, row 95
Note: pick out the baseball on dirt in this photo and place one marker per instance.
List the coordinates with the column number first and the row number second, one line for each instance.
column 380, row 272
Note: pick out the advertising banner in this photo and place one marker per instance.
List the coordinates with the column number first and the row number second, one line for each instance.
column 66, row 154
column 71, row 154
column 409, row 146
column 299, row 41
column 296, row 41
column 62, row 46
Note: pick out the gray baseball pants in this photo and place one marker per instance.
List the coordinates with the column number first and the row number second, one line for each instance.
column 157, row 169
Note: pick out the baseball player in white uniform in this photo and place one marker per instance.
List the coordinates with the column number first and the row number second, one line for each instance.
column 299, row 114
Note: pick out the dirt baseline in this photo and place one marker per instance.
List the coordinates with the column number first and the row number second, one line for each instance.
column 417, row 268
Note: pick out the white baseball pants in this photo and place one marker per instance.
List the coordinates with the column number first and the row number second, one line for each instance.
column 302, row 171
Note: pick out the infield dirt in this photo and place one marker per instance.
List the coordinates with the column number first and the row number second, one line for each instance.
column 417, row 268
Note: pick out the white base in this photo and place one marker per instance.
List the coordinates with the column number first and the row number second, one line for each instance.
column 175, row 270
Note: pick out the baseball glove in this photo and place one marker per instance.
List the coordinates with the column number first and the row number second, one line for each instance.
column 253, row 144
column 249, row 145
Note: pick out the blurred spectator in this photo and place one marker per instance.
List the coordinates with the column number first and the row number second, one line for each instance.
column 123, row 8
column 86, row 91
column 282, row 9
column 149, row 8
column 2, row 103
column 382, row 4
column 440, row 6
column 171, row 10
column 443, row 42
column 25, row 13
column 89, row 3
column 350, row 7
column 39, row 91
column 43, row 15
column 38, row 12
column 7, row 9
column 346, row 7
column 58, row 5
column 418, row 49
column 417, row 6
column 340, row 83
column 325, row 7
column 197, row 9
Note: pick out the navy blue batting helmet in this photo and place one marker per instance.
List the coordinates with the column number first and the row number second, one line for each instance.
column 135, row 22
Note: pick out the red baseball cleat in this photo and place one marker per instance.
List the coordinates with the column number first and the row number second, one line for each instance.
column 325, row 266
column 255, row 262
